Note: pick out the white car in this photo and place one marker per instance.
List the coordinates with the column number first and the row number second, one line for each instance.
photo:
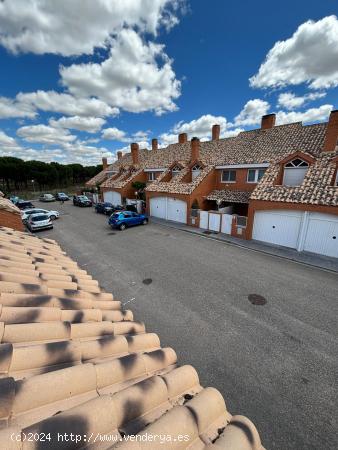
column 39, row 221
column 47, row 198
column 27, row 212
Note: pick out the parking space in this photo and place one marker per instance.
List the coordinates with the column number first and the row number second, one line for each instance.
column 261, row 329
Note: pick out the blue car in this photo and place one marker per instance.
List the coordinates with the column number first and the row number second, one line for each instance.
column 125, row 219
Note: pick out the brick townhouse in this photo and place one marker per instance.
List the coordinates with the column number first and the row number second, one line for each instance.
column 276, row 184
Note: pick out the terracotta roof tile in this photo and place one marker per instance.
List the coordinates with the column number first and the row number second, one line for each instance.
column 228, row 195
column 91, row 367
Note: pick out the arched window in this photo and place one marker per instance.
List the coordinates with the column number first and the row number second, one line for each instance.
column 294, row 172
column 195, row 170
column 175, row 170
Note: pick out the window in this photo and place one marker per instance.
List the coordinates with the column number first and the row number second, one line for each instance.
column 336, row 180
column 195, row 170
column 294, row 172
column 228, row 176
column 175, row 170
column 151, row 176
column 254, row 175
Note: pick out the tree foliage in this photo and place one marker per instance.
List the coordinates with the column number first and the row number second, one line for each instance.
column 18, row 174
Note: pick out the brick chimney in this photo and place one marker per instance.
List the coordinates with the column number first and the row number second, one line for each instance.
column 134, row 152
column 104, row 163
column 268, row 121
column 119, row 155
column 331, row 137
column 154, row 144
column 182, row 138
column 216, row 130
column 195, row 149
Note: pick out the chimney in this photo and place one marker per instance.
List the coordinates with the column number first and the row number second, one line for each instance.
column 104, row 163
column 331, row 136
column 195, row 149
column 182, row 138
column 216, row 130
column 268, row 121
column 119, row 155
column 154, row 144
column 134, row 152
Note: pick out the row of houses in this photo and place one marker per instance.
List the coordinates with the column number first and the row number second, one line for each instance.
column 276, row 184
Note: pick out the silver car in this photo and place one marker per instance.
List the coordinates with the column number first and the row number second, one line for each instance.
column 47, row 198
column 38, row 221
column 28, row 212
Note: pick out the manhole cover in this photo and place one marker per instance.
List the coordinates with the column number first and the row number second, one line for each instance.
column 256, row 299
column 147, row 281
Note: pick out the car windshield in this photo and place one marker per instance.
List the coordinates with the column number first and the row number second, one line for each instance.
column 83, row 197
column 40, row 218
column 116, row 216
column 108, row 205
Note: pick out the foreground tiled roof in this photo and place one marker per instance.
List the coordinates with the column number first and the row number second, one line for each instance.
column 7, row 205
column 228, row 195
column 316, row 189
column 71, row 361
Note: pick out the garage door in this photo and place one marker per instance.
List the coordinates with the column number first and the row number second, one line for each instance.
column 176, row 210
column 277, row 227
column 322, row 234
column 112, row 197
column 158, row 207
column 168, row 208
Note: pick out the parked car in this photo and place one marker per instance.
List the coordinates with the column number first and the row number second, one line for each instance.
column 28, row 212
column 22, row 204
column 107, row 208
column 61, row 196
column 81, row 200
column 47, row 198
column 14, row 199
column 39, row 221
column 125, row 219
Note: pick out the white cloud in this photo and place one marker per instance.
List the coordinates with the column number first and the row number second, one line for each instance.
column 44, row 134
column 65, row 104
column 309, row 56
column 200, row 128
column 311, row 115
column 115, row 134
column 289, row 100
column 48, row 26
column 10, row 108
column 252, row 112
column 7, row 141
column 89, row 124
column 137, row 76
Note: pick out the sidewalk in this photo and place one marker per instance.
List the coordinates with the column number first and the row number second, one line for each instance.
column 310, row 259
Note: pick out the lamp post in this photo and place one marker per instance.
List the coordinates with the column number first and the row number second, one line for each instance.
column 33, row 183
column 218, row 201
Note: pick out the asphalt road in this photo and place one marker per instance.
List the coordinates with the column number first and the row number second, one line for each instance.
column 275, row 363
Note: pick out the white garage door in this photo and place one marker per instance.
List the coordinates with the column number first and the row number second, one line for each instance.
column 322, row 234
column 158, row 207
column 176, row 210
column 277, row 227
column 112, row 197
column 168, row 208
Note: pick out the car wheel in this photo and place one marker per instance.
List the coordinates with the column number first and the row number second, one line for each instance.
column 145, row 222
column 123, row 226
column 53, row 217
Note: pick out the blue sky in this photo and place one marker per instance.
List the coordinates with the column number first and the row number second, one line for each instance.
column 78, row 86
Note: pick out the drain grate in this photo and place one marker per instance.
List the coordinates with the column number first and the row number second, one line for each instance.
column 256, row 299
column 111, row 233
column 147, row 281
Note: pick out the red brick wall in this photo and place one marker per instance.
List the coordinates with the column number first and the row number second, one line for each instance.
column 240, row 185
column 11, row 220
